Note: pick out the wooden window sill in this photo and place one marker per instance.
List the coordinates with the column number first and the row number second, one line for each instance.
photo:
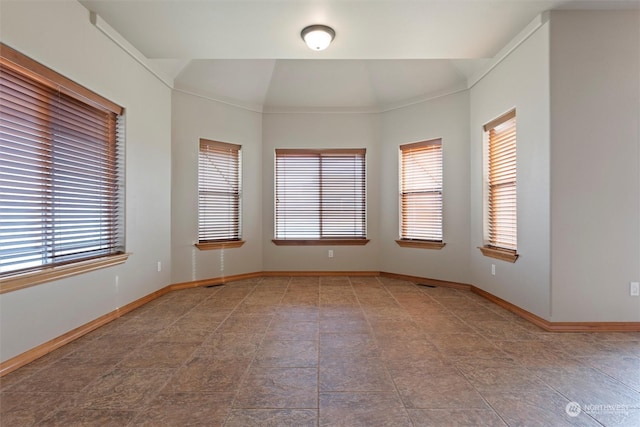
column 320, row 242
column 48, row 274
column 420, row 244
column 501, row 254
column 219, row 245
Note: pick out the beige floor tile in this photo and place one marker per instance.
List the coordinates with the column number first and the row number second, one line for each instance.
column 270, row 388
column 392, row 328
column 143, row 325
column 541, row 407
column 455, row 417
column 297, row 351
column 186, row 409
column 625, row 369
column 209, row 375
column 616, row 415
column 184, row 330
column 292, row 330
column 438, row 387
column 229, row 346
column 304, row 281
column 354, row 374
column 88, row 418
column 205, row 316
column 334, row 345
column 338, row 300
column 398, row 350
column 331, row 313
column 223, row 302
column 537, row 353
column 300, row 300
column 502, row 330
column 110, row 346
column 435, row 325
column 123, row 388
column 465, row 345
column 286, row 313
column 289, row 354
column 588, row 386
column 245, row 323
column 66, row 375
column 497, row 374
column 272, row 418
column 390, row 312
column 362, row 409
column 27, row 408
column 476, row 313
column 159, row 354
column 346, row 325
column 342, row 281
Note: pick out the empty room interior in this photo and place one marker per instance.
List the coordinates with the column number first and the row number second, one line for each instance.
column 320, row 213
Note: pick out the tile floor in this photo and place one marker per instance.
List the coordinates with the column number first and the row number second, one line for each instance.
column 335, row 351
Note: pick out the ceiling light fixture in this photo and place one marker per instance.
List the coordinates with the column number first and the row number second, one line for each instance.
column 318, row 37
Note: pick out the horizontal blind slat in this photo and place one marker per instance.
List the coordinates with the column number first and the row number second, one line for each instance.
column 320, row 193
column 502, row 197
column 219, row 191
column 59, row 174
column 421, row 191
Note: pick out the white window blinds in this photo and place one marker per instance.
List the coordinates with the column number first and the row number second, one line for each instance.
column 502, row 201
column 421, row 191
column 218, row 191
column 320, row 194
column 61, row 169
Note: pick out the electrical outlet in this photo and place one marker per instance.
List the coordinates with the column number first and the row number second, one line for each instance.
column 634, row 289
column 159, row 266
column 330, row 253
column 493, row 269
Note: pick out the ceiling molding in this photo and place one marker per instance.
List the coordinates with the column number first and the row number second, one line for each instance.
column 520, row 38
column 233, row 103
column 423, row 98
column 128, row 48
column 168, row 81
column 321, row 110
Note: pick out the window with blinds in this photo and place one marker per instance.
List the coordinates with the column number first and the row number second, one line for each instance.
column 421, row 191
column 320, row 194
column 501, row 203
column 218, row 192
column 61, row 169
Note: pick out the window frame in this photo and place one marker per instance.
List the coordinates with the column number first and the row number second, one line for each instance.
column 228, row 156
column 359, row 183
column 494, row 244
column 428, row 154
column 39, row 76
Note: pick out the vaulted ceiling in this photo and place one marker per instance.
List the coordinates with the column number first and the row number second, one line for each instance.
column 386, row 53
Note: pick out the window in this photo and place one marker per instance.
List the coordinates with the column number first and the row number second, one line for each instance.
column 61, row 171
column 501, row 201
column 421, row 194
column 218, row 195
column 320, row 197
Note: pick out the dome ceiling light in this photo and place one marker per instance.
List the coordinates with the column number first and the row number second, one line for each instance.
column 318, row 37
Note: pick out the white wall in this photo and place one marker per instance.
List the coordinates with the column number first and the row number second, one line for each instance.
column 595, row 164
column 59, row 35
column 520, row 81
column 591, row 71
column 321, row 130
column 194, row 118
column 446, row 118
